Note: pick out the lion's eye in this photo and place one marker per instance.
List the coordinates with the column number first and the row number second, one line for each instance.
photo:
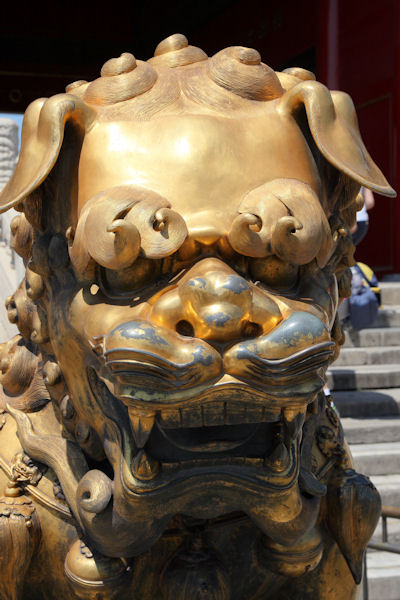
column 274, row 272
column 143, row 272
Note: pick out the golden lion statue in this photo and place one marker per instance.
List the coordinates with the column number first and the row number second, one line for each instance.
column 184, row 224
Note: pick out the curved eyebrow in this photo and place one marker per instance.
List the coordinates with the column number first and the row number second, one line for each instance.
column 119, row 223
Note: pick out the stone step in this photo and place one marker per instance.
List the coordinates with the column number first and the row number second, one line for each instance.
column 364, row 377
column 393, row 528
column 378, row 336
column 372, row 431
column 390, row 293
column 368, row 403
column 376, row 459
column 388, row 316
column 371, row 355
column 383, row 568
column 383, row 575
column 388, row 487
column 391, row 277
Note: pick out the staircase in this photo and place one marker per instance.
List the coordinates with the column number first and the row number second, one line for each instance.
column 365, row 381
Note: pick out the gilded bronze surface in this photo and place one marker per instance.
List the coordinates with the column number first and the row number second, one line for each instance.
column 164, row 435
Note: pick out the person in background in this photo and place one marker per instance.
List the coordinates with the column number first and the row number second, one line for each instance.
column 359, row 231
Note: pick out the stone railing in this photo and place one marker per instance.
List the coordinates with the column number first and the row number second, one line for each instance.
column 11, row 265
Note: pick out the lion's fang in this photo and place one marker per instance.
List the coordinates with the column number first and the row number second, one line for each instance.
column 141, row 427
column 144, row 466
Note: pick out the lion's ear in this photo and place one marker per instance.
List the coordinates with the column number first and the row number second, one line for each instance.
column 41, row 140
column 333, row 123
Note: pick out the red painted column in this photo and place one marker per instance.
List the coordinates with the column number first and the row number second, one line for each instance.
column 396, row 140
column 327, row 43
column 359, row 52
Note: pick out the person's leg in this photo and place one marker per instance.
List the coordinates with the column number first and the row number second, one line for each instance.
column 360, row 232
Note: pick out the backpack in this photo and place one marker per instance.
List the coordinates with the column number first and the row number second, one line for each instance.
column 371, row 279
column 363, row 302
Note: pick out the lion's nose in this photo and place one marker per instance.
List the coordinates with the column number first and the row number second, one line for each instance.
column 218, row 305
column 214, row 303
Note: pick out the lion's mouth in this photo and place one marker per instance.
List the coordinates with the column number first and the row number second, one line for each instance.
column 228, row 451
column 195, row 412
column 209, row 440
column 217, row 436
column 218, row 429
column 239, row 436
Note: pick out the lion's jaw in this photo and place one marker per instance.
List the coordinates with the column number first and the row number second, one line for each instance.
column 202, row 426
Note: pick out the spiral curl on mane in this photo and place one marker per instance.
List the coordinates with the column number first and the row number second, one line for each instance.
column 21, row 380
column 282, row 217
column 121, row 79
column 240, row 70
column 175, row 51
column 117, row 224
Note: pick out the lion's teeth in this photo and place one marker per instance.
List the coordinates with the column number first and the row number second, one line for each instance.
column 170, row 467
column 141, row 427
column 279, row 458
column 192, row 417
column 254, row 414
column 294, row 421
column 213, row 413
column 271, row 415
column 217, row 413
column 235, row 414
column 170, row 418
column 144, row 466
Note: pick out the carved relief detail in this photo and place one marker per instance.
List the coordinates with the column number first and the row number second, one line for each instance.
column 24, row 471
column 17, row 507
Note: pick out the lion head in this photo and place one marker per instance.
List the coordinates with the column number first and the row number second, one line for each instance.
column 185, row 227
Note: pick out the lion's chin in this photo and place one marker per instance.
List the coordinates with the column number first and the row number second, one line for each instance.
column 140, row 513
